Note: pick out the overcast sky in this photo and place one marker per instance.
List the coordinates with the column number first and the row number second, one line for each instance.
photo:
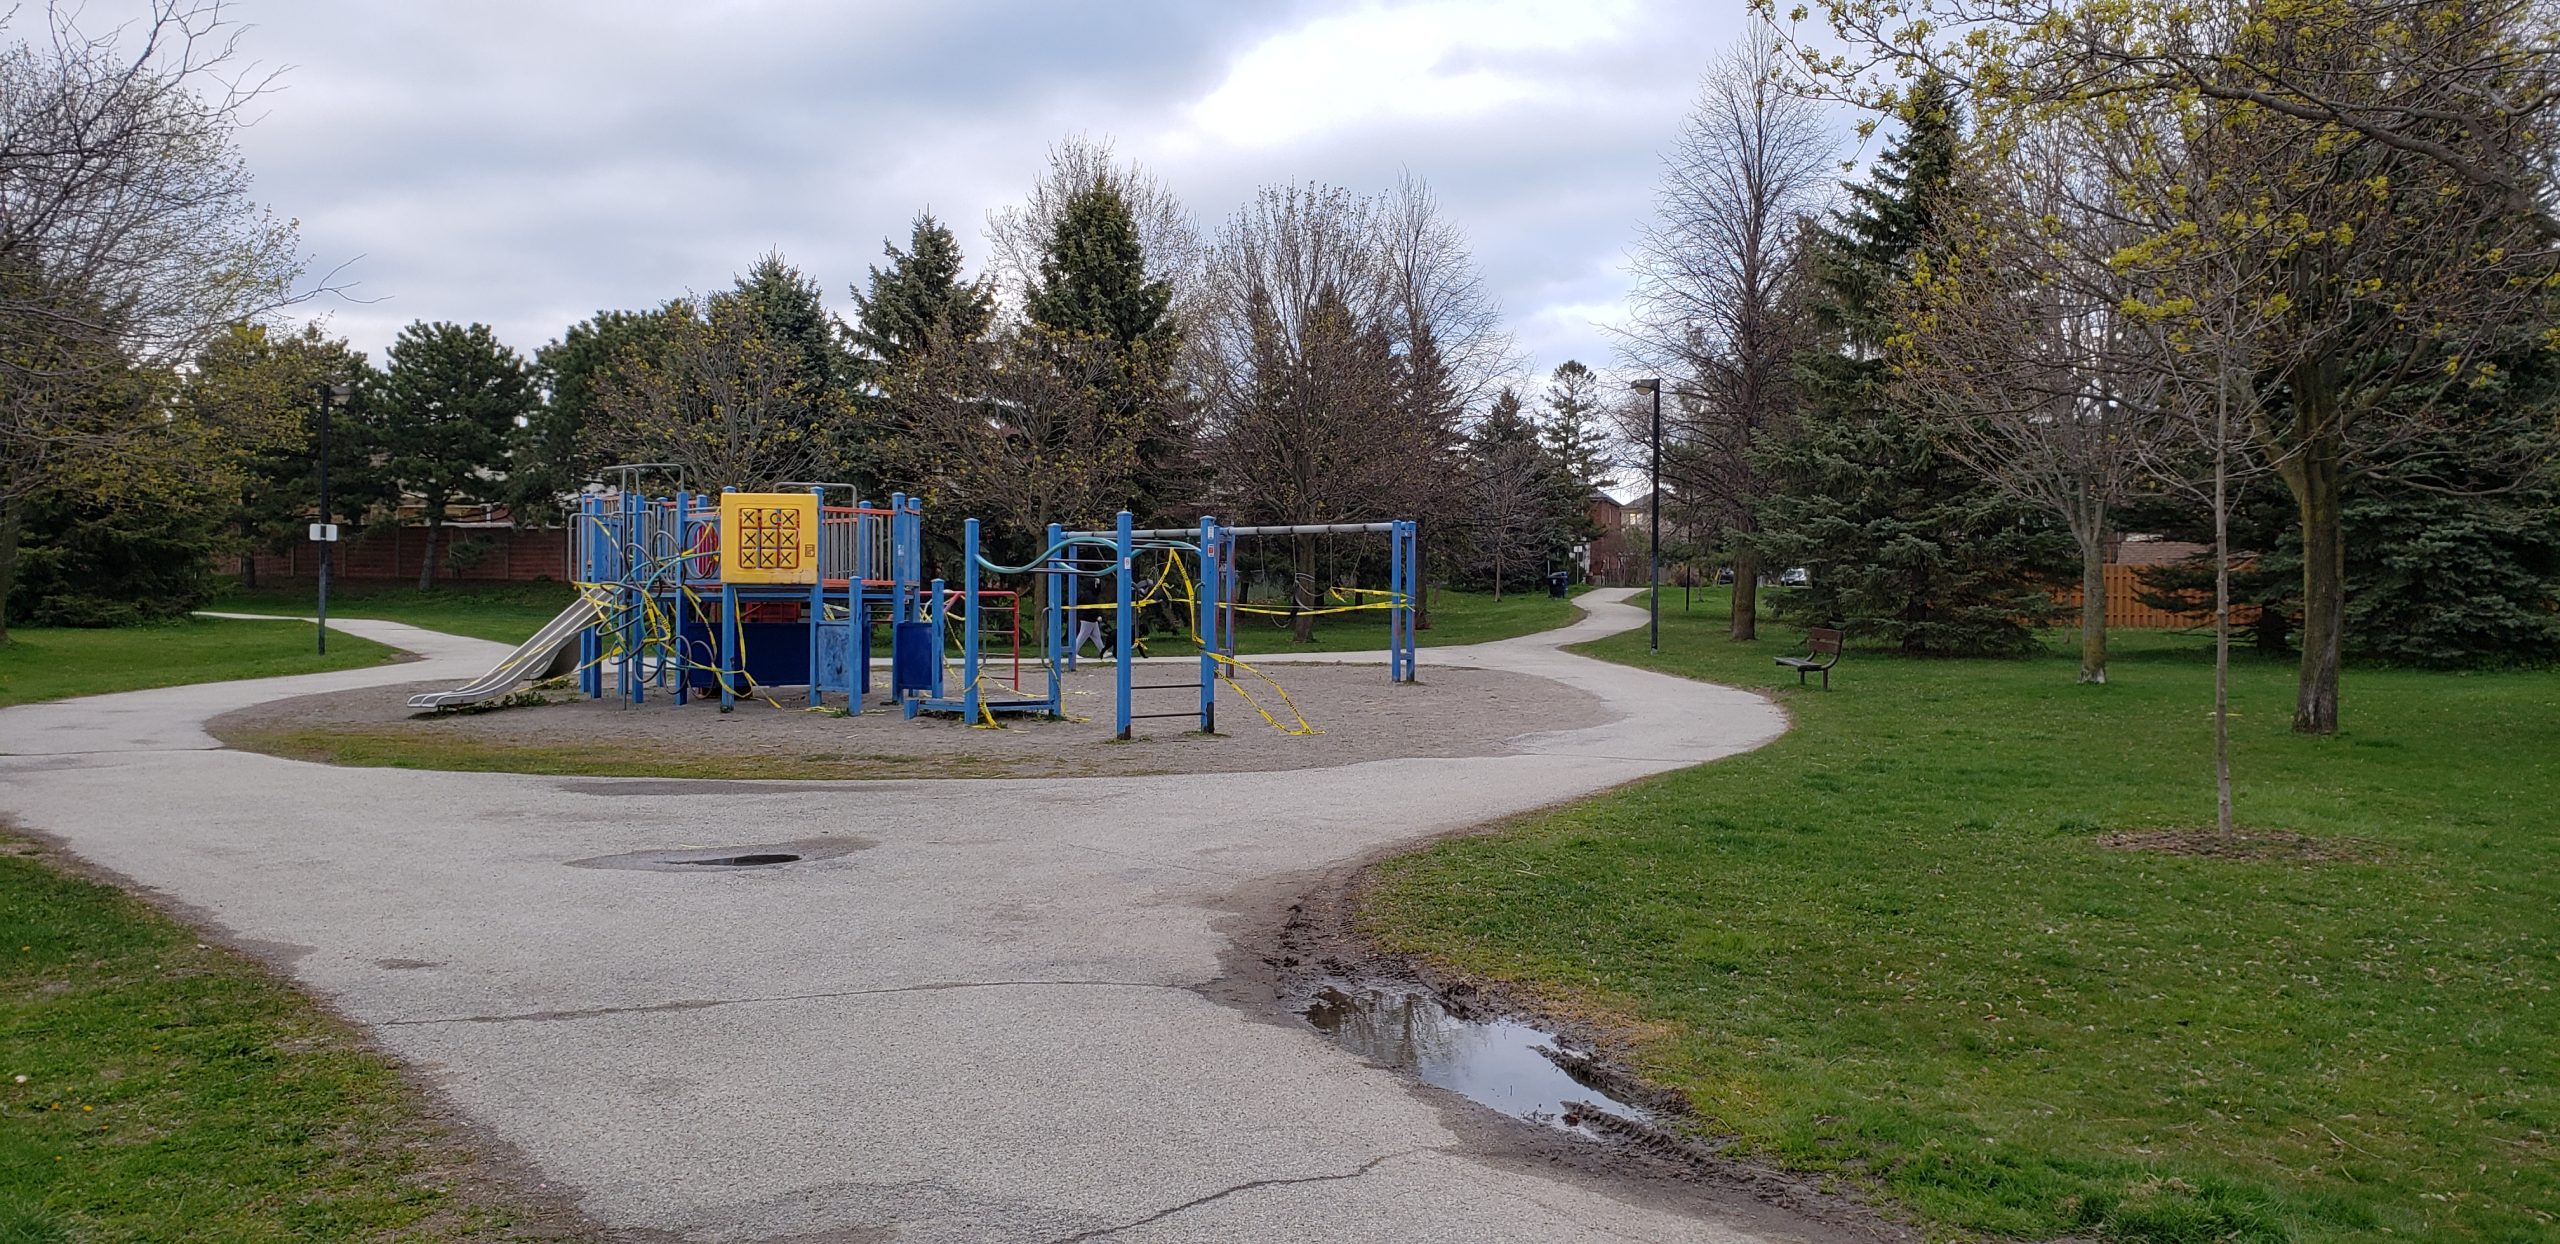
column 528, row 163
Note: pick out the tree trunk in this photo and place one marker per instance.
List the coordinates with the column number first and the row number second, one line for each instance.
column 1497, row 573
column 2324, row 594
column 11, row 528
column 1302, row 586
column 2093, row 608
column 1746, row 593
column 249, row 569
column 427, row 564
column 2222, row 617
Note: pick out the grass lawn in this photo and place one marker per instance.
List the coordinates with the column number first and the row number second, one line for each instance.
column 1456, row 618
column 160, row 1089
column 1889, row 945
column 508, row 613
column 48, row 664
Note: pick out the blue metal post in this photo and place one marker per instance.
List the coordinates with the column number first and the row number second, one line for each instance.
column 633, row 611
column 1058, row 586
column 939, row 609
column 1124, row 644
column 969, row 621
column 817, row 595
column 1208, row 611
column 590, row 640
column 858, row 611
column 1395, row 604
column 677, row 602
column 728, row 643
column 900, row 573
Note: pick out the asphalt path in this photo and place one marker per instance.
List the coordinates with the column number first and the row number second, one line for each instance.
column 979, row 1011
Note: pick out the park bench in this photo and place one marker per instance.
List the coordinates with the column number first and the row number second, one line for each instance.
column 1822, row 651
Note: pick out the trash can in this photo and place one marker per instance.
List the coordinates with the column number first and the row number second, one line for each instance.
column 1558, row 581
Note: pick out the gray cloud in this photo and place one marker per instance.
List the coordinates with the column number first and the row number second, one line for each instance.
column 527, row 164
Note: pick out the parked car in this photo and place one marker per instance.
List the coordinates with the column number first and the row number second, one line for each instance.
column 1795, row 578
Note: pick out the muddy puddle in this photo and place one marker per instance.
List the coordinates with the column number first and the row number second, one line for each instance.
column 1519, row 1069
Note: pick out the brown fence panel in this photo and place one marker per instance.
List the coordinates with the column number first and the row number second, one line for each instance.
column 2126, row 608
column 507, row 554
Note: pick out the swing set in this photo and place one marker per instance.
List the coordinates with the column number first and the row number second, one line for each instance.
column 1197, row 577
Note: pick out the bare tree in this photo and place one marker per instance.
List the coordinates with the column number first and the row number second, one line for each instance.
column 1019, row 235
column 2015, row 341
column 2402, row 271
column 1309, row 419
column 1716, row 277
column 1450, row 332
column 2468, row 87
column 127, row 236
column 1031, row 426
column 719, row 395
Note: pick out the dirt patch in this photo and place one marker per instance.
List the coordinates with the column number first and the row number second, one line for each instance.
column 1290, row 935
column 1360, row 715
column 2246, row 844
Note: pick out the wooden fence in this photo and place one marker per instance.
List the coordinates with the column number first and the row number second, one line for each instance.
column 476, row 553
column 2125, row 607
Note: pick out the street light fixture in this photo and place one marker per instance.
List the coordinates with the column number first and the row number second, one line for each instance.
column 1654, row 504
column 333, row 395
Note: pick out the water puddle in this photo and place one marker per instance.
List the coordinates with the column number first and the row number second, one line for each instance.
column 1521, row 1070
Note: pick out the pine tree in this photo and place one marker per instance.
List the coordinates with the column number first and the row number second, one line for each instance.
column 1093, row 284
column 1904, row 545
column 919, row 296
column 448, row 406
column 1573, row 436
column 1520, row 499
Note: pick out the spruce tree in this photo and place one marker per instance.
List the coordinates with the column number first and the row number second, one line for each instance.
column 1093, row 284
column 448, row 404
column 1905, row 546
column 1574, row 438
column 918, row 296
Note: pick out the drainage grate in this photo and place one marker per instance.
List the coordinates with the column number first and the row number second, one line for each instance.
column 755, row 860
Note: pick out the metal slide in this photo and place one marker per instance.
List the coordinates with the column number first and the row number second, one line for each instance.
column 551, row 652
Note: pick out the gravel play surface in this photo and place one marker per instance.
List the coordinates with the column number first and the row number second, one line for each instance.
column 1360, row 716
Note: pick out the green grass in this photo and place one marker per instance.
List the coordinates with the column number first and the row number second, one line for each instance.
column 155, row 1088
column 508, row 613
column 1456, row 618
column 158, row 1089
column 48, row 664
column 1889, row 946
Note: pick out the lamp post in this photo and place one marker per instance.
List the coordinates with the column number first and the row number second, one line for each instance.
column 331, row 395
column 1654, row 504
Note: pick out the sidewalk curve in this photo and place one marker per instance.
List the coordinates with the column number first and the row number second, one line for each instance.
column 973, row 1014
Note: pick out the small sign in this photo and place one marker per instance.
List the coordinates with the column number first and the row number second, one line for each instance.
column 325, row 533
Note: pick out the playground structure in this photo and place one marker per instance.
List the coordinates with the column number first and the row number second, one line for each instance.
column 730, row 593
column 1206, row 587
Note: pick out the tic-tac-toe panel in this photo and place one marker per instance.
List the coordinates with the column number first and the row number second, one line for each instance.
column 769, row 537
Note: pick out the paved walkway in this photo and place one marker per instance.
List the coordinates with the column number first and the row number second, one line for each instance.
column 980, row 1021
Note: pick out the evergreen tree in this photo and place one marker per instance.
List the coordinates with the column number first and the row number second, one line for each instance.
column 548, row 461
column 448, row 405
column 919, row 297
column 1905, row 546
column 794, row 317
column 1093, row 285
column 1573, row 436
column 1520, row 500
